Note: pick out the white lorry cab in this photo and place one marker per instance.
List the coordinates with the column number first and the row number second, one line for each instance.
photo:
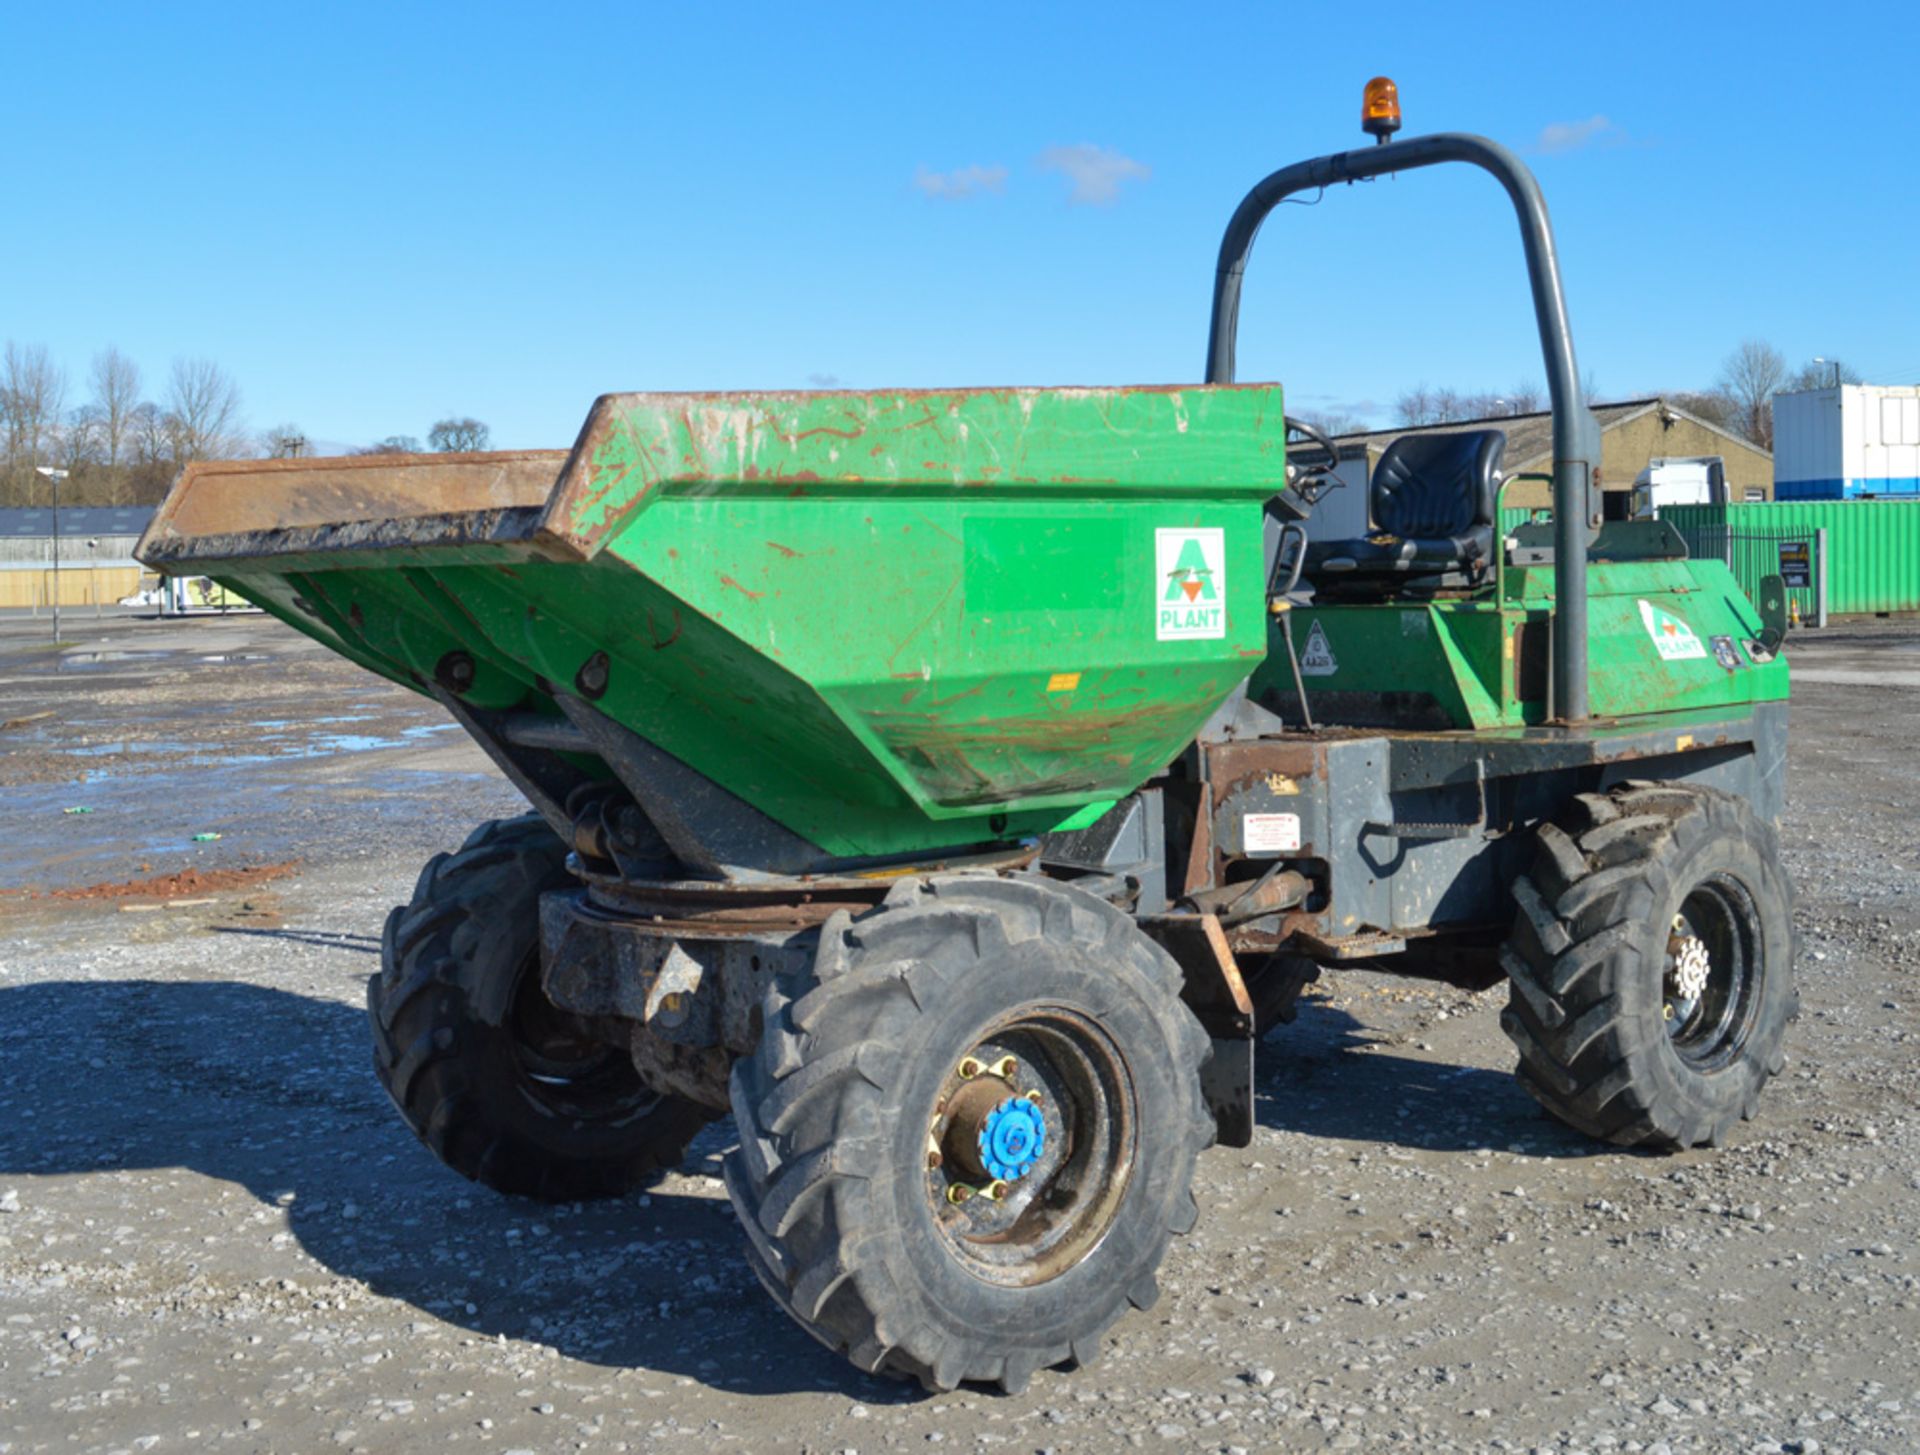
column 1686, row 480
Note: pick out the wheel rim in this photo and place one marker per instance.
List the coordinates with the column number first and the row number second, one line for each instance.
column 1030, row 1146
column 563, row 1069
column 1712, row 976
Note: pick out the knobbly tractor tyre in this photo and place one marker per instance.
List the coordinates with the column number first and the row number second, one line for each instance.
column 1651, row 965
column 969, row 1130
column 501, row 1086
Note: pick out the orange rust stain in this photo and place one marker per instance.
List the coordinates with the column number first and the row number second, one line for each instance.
column 726, row 580
column 654, row 632
column 788, row 551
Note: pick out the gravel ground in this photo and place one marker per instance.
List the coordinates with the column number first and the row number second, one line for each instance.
column 215, row 1234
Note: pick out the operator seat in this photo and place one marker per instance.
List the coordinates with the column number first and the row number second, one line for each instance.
column 1432, row 497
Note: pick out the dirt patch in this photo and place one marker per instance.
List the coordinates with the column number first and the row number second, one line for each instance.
column 175, row 886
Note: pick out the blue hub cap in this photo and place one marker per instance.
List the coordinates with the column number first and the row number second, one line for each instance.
column 1012, row 1140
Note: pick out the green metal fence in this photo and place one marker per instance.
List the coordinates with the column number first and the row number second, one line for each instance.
column 1873, row 547
column 1515, row 515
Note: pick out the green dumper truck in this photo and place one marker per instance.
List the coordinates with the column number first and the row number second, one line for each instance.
column 954, row 786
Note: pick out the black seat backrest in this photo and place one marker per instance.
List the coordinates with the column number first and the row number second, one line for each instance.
column 1438, row 485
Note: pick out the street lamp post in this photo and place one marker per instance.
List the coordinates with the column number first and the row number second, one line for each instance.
column 56, row 476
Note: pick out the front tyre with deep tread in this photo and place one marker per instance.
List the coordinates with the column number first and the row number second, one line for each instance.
column 1651, row 965
column 498, row 1083
column 849, row 1159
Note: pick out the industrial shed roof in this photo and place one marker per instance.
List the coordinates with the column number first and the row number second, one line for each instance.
column 1530, row 436
column 76, row 520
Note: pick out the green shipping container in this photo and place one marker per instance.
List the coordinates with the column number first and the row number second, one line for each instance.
column 1873, row 547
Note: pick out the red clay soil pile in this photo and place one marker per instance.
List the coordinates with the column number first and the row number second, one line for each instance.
column 179, row 886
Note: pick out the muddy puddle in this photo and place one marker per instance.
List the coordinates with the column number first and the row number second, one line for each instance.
column 260, row 742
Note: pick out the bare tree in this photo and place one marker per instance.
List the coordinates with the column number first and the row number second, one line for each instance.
column 116, row 394
column 1750, row 377
column 393, row 444
column 81, row 444
column 1333, row 422
column 1708, row 404
column 32, row 388
column 1526, row 397
column 458, row 434
column 1823, row 374
column 1414, row 406
column 203, row 409
column 1424, row 405
column 150, row 440
column 286, row 442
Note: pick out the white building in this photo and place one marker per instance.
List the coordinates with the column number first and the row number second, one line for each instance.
column 1847, row 442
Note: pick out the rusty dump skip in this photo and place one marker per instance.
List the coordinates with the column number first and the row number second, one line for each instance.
column 897, row 624
column 222, row 509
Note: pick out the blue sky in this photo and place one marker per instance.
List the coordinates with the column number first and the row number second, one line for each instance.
column 375, row 215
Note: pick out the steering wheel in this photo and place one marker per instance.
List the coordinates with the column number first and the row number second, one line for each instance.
column 1311, row 481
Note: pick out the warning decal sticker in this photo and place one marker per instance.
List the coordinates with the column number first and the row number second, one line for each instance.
column 1269, row 833
column 1190, row 583
column 1317, row 659
column 1673, row 639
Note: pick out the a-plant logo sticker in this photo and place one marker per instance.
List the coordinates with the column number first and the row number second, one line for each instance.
column 1673, row 639
column 1190, row 583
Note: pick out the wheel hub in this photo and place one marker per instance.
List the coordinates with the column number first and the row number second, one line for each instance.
column 1688, row 965
column 1012, row 1140
column 1030, row 1146
column 988, row 1130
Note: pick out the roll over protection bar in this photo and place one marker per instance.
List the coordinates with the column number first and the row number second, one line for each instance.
column 1576, row 433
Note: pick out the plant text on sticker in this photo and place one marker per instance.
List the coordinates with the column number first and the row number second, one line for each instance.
column 1673, row 639
column 1190, row 583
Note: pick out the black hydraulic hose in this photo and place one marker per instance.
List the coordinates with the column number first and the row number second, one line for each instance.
column 1576, row 433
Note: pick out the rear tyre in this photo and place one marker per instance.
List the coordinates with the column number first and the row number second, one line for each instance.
column 969, row 1130
column 1651, row 965
column 501, row 1085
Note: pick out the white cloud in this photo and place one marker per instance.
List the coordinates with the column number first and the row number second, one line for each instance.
column 961, row 182
column 1569, row 136
column 1093, row 173
column 825, row 381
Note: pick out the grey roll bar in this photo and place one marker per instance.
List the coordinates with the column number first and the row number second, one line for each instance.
column 1576, row 433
